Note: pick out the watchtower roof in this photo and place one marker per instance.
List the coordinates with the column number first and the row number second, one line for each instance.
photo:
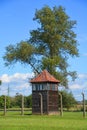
column 44, row 76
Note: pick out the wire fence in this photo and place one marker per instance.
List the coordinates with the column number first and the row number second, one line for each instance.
column 20, row 100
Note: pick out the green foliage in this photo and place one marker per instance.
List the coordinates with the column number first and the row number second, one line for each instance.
column 21, row 52
column 55, row 41
column 16, row 102
column 28, row 101
column 68, row 99
column 50, row 45
column 2, row 101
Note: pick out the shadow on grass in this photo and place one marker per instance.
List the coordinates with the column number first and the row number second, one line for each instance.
column 15, row 113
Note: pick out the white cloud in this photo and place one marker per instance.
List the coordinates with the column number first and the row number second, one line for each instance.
column 82, row 76
column 79, row 86
column 5, row 78
column 22, row 76
column 18, row 82
column 17, row 77
column 75, row 86
column 80, row 82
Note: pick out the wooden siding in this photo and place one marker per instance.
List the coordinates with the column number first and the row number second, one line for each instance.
column 36, row 104
column 53, row 101
column 50, row 102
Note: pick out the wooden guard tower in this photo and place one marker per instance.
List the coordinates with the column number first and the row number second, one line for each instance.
column 44, row 94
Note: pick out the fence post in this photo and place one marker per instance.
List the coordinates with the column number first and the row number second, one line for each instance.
column 83, row 105
column 61, row 105
column 4, row 105
column 41, row 103
column 22, row 106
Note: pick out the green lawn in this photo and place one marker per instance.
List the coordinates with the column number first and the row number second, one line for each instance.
column 69, row 121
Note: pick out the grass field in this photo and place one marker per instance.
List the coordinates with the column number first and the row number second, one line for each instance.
column 69, row 121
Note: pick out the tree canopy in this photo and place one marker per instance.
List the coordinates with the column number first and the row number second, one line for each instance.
column 49, row 46
column 67, row 99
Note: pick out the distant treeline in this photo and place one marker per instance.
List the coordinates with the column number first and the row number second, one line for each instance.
column 68, row 100
column 16, row 101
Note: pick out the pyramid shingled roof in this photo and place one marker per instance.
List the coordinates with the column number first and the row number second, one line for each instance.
column 45, row 76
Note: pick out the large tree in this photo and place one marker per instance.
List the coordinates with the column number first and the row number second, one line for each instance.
column 50, row 45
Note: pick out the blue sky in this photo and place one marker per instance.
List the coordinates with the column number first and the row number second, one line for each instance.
column 16, row 21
